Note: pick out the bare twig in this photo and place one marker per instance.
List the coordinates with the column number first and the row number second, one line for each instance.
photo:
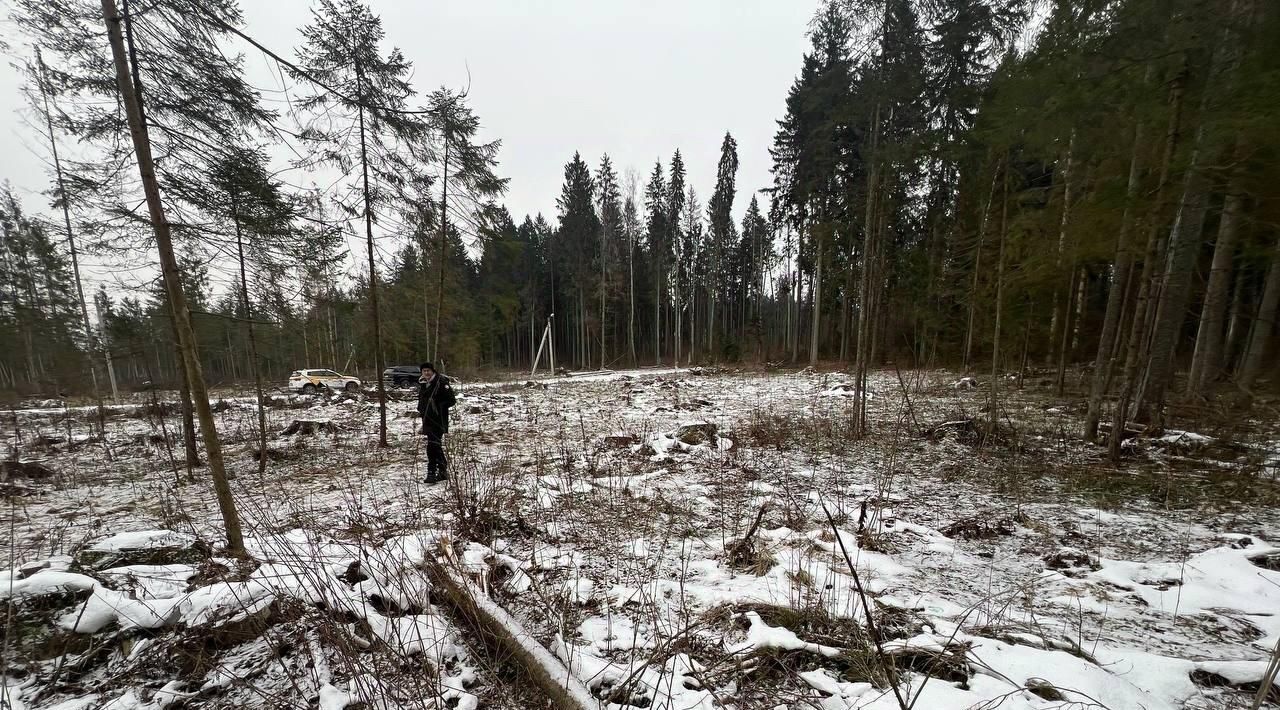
column 872, row 629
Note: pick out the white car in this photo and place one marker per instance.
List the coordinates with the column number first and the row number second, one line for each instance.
column 309, row 381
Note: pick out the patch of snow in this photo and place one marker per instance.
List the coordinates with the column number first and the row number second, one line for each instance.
column 142, row 540
column 579, row 590
column 45, row 582
column 761, row 636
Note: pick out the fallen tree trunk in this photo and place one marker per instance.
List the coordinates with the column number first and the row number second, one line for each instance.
column 503, row 633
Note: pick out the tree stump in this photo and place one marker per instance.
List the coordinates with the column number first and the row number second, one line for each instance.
column 310, row 427
column 27, row 469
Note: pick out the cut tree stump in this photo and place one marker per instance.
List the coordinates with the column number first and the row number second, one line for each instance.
column 310, row 427
column 620, row 441
column 26, row 469
column 697, row 433
column 743, row 553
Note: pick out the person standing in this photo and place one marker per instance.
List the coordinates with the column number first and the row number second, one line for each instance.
column 435, row 398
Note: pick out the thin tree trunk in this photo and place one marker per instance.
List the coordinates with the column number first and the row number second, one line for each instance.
column 1117, row 299
column 977, row 268
column 105, row 344
column 169, row 268
column 657, row 319
column 373, row 270
column 993, row 410
column 1146, row 290
column 1263, row 325
column 711, row 309
column 677, row 319
column 1206, row 364
column 1175, row 285
column 603, row 247
column 879, row 323
column 444, row 221
column 844, row 315
column 306, row 340
column 253, row 342
column 797, row 293
column 1058, row 312
column 90, row 341
column 631, row 299
column 331, row 321
column 1026, row 348
column 865, row 301
column 1068, row 323
column 692, row 351
column 817, row 303
column 426, row 293
column 1237, row 325
column 229, row 359
column 785, row 304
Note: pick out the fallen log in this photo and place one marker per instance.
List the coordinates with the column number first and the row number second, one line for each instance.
column 499, row 630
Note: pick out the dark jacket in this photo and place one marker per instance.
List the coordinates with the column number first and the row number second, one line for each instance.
column 434, row 400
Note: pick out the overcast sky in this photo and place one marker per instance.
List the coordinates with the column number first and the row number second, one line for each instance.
column 636, row 80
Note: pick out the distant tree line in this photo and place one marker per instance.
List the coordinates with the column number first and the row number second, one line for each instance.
column 981, row 184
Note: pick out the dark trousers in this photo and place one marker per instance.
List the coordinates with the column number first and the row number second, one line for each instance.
column 437, row 463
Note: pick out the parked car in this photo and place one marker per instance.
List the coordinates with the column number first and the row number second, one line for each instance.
column 309, row 381
column 401, row 375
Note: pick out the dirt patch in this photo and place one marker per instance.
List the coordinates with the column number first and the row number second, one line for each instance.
column 985, row 526
column 1072, row 562
column 1268, row 561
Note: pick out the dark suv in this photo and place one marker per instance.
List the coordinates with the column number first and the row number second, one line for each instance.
column 401, row 375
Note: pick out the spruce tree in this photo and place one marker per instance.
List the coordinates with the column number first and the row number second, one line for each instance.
column 579, row 237
column 609, row 210
column 720, row 236
column 659, row 246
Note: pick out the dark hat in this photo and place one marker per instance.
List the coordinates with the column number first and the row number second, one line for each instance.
column 427, row 366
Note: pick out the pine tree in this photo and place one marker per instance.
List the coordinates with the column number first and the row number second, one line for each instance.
column 128, row 84
column 361, row 119
column 255, row 203
column 467, row 170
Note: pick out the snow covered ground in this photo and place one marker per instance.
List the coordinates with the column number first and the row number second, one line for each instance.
column 607, row 515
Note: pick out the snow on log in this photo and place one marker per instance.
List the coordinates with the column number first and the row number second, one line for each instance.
column 498, row 628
